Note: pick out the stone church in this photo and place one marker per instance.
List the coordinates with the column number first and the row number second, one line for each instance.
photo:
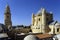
column 43, row 22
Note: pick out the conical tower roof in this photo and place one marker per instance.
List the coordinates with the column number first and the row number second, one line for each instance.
column 7, row 9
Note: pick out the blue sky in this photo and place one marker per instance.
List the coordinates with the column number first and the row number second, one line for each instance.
column 22, row 10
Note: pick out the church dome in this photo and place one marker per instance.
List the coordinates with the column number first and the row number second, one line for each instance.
column 31, row 37
column 39, row 13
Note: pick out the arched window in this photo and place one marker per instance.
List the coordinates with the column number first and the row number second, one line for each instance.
column 39, row 19
column 57, row 29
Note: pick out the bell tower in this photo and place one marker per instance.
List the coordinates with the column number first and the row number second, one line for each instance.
column 7, row 16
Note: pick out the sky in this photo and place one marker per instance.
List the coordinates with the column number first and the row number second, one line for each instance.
column 21, row 10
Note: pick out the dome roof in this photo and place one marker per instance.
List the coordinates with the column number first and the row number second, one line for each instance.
column 39, row 13
column 31, row 37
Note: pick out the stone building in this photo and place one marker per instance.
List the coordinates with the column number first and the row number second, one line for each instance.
column 7, row 16
column 43, row 22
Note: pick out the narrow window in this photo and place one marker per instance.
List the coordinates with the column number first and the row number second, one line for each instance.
column 57, row 29
column 39, row 19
